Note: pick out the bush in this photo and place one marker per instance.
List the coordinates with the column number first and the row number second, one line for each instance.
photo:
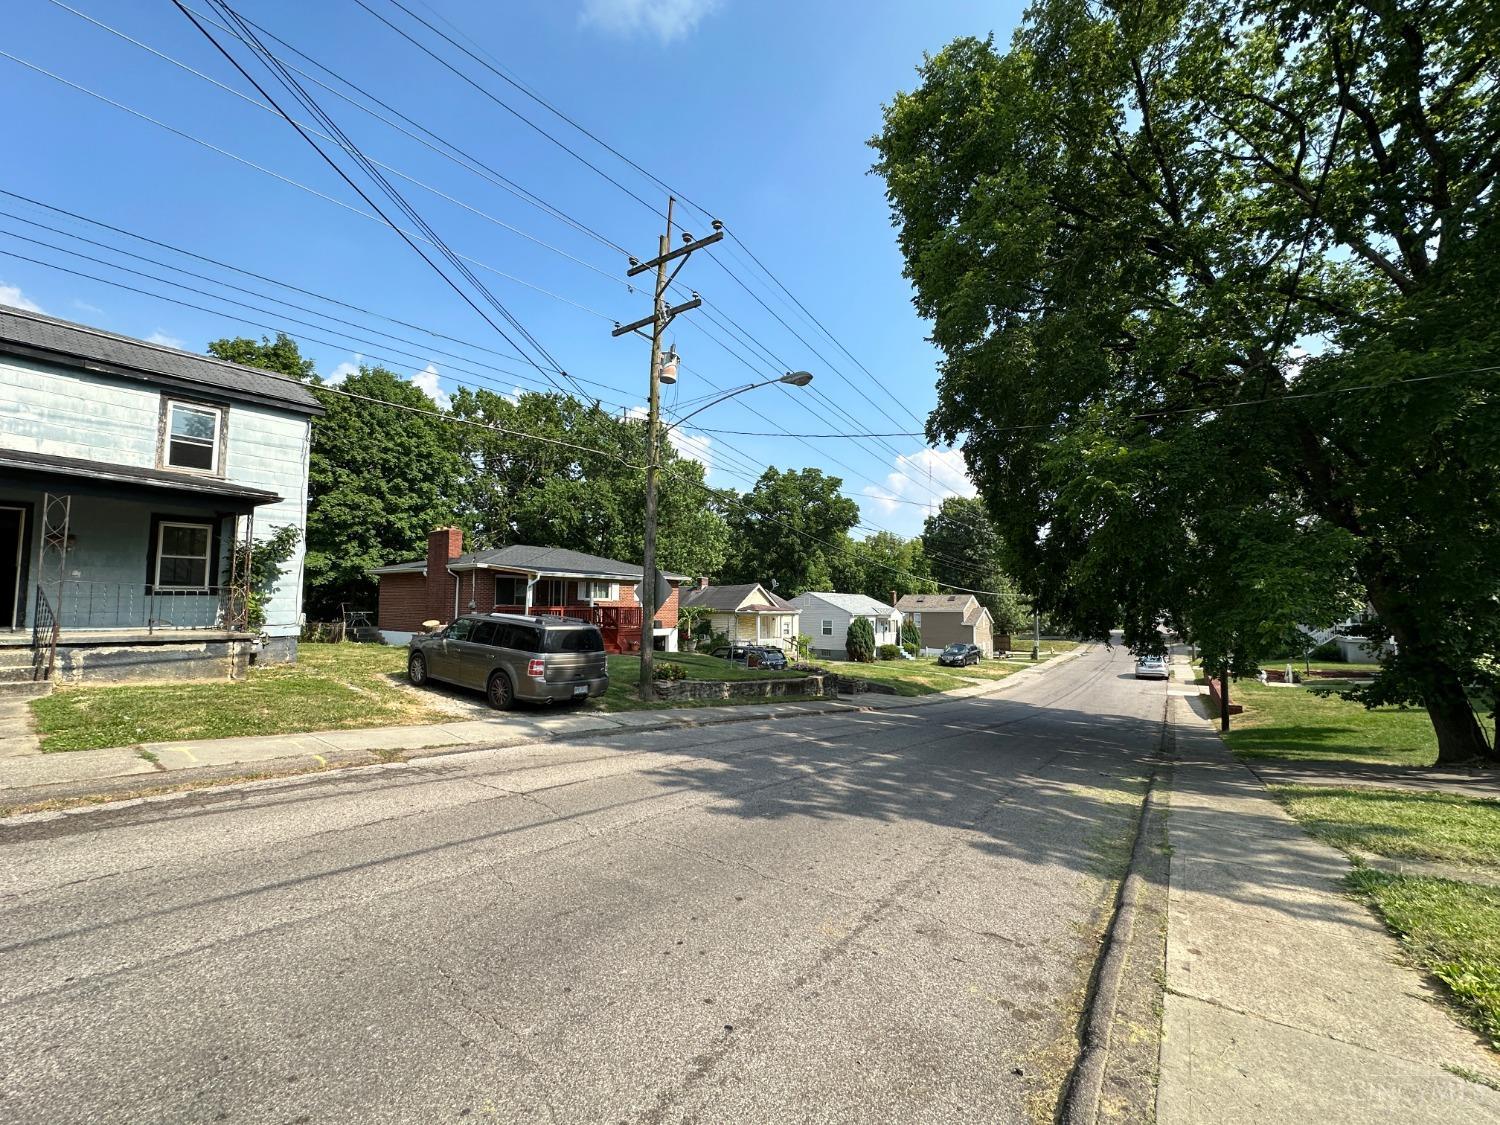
column 912, row 646
column 860, row 643
column 890, row 652
column 1328, row 651
column 718, row 640
column 666, row 671
column 804, row 646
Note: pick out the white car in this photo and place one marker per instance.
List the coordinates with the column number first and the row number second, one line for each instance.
column 1149, row 667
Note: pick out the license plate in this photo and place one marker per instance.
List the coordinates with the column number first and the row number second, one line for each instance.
column 581, row 689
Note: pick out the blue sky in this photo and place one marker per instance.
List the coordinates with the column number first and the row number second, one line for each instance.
column 758, row 111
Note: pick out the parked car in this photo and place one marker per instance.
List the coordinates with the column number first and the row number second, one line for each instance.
column 510, row 657
column 1151, row 667
column 766, row 655
column 959, row 654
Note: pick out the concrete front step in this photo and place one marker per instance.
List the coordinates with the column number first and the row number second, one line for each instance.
column 15, row 656
column 16, row 673
column 24, row 689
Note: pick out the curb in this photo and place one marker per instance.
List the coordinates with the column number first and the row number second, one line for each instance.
column 1080, row 1104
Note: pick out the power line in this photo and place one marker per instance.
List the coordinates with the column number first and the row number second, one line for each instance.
column 374, row 173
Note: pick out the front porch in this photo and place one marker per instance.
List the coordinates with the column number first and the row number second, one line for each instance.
column 119, row 574
column 620, row 625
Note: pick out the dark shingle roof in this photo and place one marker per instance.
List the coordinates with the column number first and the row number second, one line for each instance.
column 91, row 349
column 543, row 560
column 728, row 598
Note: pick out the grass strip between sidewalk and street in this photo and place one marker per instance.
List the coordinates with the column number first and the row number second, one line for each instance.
column 1399, row 823
column 1449, row 928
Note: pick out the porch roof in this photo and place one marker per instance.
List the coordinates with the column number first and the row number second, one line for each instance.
column 47, row 467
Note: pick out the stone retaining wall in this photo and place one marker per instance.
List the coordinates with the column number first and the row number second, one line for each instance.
column 743, row 689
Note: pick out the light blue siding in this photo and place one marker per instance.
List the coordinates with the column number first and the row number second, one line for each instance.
column 58, row 411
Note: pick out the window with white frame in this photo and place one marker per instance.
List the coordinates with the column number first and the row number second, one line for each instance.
column 183, row 555
column 192, row 438
column 595, row 591
column 828, row 626
column 882, row 626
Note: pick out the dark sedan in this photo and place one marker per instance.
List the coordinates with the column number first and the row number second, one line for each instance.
column 959, row 655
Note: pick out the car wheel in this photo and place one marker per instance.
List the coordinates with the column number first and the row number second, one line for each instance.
column 501, row 695
column 416, row 669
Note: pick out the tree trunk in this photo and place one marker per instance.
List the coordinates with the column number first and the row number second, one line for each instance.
column 1460, row 738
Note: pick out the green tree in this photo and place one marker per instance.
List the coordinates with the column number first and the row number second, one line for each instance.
column 859, row 644
column 879, row 564
column 280, row 355
column 787, row 531
column 964, row 550
column 1137, row 218
column 564, row 473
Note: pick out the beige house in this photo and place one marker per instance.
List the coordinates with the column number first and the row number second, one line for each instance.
column 747, row 614
column 946, row 619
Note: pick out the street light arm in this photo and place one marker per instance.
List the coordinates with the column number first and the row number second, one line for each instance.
column 794, row 378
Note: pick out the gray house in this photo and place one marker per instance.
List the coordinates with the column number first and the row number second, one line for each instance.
column 947, row 619
column 826, row 617
column 129, row 474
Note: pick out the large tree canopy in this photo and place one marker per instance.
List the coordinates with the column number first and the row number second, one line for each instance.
column 965, row 551
column 787, row 531
column 881, row 564
column 1186, row 262
column 564, row 473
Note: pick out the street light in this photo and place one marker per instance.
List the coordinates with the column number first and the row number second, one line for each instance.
column 791, row 379
column 649, row 600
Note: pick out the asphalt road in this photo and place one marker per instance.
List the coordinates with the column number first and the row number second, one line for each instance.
column 869, row 917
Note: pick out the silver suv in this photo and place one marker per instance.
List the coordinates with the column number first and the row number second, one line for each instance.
column 508, row 657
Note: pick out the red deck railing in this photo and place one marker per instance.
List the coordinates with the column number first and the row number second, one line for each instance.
column 621, row 625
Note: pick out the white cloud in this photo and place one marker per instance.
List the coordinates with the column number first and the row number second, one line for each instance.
column 666, row 20
column 427, row 379
column 11, row 295
column 345, row 369
column 85, row 307
column 927, row 476
column 161, row 338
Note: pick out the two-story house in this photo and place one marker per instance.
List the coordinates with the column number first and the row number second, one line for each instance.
column 131, row 478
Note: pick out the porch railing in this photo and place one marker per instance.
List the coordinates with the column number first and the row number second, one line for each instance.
column 133, row 605
column 43, row 638
column 604, row 616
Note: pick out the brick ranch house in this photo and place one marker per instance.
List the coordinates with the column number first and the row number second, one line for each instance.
column 546, row 581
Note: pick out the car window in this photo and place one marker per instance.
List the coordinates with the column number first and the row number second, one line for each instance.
column 523, row 638
column 460, row 629
column 574, row 640
column 484, row 633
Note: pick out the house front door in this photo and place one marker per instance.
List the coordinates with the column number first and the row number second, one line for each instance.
column 12, row 566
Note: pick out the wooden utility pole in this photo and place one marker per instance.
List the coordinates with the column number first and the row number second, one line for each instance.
column 661, row 316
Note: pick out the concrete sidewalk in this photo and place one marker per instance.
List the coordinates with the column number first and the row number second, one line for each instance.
column 1286, row 1000
column 41, row 775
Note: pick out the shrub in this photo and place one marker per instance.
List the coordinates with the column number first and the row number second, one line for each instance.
column 912, row 645
column 804, row 646
column 890, row 652
column 667, row 671
column 1328, row 651
column 718, row 640
column 860, row 643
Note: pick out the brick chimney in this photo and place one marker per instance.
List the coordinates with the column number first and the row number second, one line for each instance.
column 443, row 545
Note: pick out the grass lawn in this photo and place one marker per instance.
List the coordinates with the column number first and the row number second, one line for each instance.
column 331, row 687
column 1300, row 725
column 1451, row 929
column 1399, row 823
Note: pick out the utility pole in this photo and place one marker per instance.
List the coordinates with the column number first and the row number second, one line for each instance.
column 1036, row 635
column 661, row 316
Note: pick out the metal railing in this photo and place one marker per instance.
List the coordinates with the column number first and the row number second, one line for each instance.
column 44, row 629
column 134, row 605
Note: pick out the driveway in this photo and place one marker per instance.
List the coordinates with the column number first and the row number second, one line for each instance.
column 857, row 917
